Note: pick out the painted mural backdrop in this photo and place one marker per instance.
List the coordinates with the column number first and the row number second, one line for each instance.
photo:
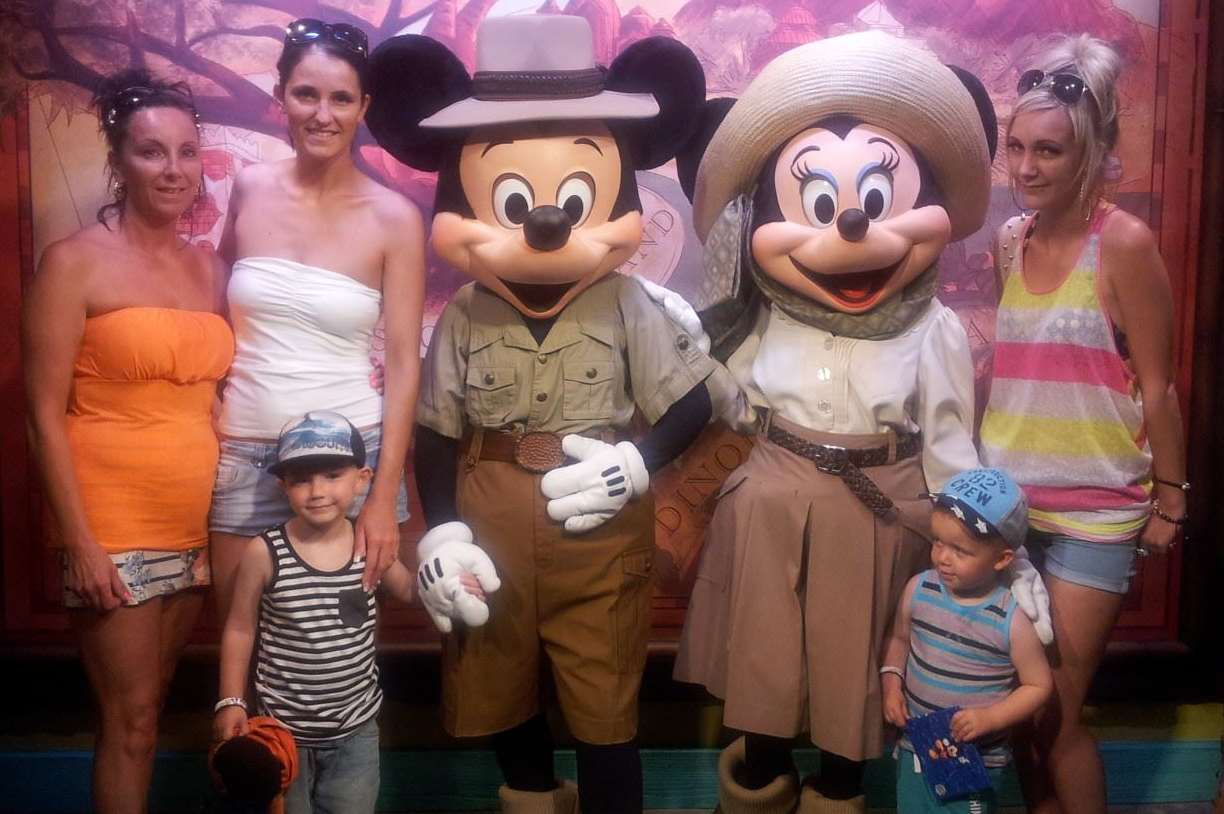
column 53, row 51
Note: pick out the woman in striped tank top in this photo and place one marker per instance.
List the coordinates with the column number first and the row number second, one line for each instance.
column 1082, row 411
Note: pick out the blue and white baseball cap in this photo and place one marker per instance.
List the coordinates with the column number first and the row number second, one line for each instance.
column 988, row 502
column 319, row 436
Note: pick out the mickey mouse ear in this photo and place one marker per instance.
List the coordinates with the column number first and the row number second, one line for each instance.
column 410, row 78
column 669, row 70
column 689, row 158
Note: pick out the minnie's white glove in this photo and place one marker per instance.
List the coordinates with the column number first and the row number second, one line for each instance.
column 1030, row 593
column 679, row 310
column 445, row 552
column 590, row 492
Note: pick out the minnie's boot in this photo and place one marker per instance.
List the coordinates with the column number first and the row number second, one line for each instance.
column 813, row 802
column 779, row 797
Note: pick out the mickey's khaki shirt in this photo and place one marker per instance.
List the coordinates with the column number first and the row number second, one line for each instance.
column 611, row 350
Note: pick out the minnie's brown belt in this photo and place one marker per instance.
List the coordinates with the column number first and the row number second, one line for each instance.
column 847, row 464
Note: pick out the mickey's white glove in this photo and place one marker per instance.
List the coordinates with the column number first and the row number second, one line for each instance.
column 445, row 552
column 592, row 491
column 679, row 310
column 1031, row 595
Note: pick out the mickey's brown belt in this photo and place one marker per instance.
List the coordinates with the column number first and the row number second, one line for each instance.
column 537, row 452
column 848, row 464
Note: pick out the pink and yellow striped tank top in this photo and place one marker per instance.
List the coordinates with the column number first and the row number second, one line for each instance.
column 1064, row 416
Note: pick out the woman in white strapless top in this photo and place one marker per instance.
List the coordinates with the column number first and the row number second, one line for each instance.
column 319, row 252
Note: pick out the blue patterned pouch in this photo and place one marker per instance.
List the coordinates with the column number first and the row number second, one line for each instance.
column 952, row 769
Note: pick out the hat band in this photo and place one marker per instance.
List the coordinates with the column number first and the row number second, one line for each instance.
column 494, row 86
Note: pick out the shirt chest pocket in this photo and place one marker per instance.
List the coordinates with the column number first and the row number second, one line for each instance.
column 490, row 394
column 354, row 607
column 589, row 389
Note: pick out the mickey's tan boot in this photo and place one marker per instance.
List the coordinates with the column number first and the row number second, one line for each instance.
column 561, row 800
column 779, row 797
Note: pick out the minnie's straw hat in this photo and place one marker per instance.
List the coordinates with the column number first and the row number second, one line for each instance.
column 872, row 76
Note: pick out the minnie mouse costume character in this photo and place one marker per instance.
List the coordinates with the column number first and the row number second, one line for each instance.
column 825, row 195
column 545, row 357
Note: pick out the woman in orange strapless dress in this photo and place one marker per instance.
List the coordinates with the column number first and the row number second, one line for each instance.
column 123, row 348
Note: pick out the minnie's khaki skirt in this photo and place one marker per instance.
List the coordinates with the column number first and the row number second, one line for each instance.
column 795, row 593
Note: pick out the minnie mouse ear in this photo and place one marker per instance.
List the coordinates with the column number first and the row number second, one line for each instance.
column 410, row 79
column 669, row 70
column 981, row 98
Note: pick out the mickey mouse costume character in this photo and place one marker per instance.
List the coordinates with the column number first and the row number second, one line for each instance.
column 825, row 195
column 545, row 357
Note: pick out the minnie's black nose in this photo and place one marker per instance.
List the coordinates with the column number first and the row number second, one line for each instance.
column 852, row 224
column 547, row 228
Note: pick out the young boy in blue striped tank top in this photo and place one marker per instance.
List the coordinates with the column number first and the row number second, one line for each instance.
column 298, row 596
column 957, row 641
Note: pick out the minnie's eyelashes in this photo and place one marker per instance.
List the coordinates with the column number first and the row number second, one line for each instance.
column 800, row 170
column 890, row 161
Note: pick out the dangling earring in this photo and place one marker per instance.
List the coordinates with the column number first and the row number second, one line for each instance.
column 1011, row 189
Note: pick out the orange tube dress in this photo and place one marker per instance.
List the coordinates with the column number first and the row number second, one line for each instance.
column 140, row 425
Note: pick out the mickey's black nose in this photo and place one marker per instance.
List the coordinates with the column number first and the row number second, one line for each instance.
column 852, row 224
column 547, row 228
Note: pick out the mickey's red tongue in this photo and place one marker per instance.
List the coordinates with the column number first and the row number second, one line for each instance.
column 856, row 288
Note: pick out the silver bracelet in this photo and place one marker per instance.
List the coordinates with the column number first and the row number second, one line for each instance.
column 897, row 671
column 232, row 701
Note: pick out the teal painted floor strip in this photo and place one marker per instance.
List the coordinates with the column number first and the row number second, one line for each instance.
column 453, row 780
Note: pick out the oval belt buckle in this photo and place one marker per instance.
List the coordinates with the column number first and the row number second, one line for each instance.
column 538, row 452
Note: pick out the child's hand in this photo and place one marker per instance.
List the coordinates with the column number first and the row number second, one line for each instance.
column 229, row 722
column 894, row 706
column 971, row 724
column 472, row 585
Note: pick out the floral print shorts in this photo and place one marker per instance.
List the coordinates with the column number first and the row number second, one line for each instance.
column 148, row 574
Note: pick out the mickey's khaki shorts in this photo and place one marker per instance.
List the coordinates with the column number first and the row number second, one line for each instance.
column 580, row 602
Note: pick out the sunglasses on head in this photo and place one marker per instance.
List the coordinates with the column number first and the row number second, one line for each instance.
column 137, row 96
column 308, row 31
column 1066, row 87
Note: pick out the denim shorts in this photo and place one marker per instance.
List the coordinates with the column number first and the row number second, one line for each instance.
column 1104, row 566
column 337, row 778
column 247, row 499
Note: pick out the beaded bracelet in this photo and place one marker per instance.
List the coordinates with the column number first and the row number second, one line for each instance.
column 1177, row 521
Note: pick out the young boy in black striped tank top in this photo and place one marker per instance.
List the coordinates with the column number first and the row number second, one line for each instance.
column 298, row 595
